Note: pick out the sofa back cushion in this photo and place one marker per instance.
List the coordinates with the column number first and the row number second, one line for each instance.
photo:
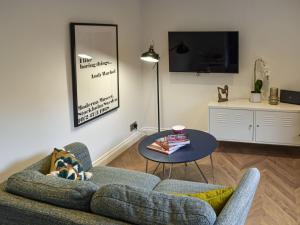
column 140, row 206
column 54, row 190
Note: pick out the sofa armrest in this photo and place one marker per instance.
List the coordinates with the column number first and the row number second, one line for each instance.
column 81, row 152
column 236, row 210
column 42, row 166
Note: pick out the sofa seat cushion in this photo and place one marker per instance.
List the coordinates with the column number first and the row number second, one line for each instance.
column 183, row 187
column 145, row 207
column 103, row 175
column 54, row 190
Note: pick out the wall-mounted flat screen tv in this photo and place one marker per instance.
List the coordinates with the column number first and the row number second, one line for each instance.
column 204, row 52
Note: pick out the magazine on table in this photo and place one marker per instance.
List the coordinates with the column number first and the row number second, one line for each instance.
column 169, row 144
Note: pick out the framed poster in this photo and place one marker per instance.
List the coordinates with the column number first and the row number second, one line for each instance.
column 95, row 70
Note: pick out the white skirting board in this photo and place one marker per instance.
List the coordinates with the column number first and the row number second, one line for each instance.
column 124, row 145
column 118, row 149
column 151, row 130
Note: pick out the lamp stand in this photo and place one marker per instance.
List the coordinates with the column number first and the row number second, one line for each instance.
column 158, row 108
column 153, row 57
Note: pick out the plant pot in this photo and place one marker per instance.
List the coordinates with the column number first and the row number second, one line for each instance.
column 255, row 97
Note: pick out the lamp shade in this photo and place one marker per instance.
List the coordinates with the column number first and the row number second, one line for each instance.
column 150, row 55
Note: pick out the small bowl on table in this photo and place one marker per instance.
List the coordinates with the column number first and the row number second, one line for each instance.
column 178, row 129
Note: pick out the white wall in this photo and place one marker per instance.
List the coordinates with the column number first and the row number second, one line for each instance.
column 35, row 71
column 268, row 29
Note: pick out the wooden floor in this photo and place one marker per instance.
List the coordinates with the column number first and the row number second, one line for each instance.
column 277, row 201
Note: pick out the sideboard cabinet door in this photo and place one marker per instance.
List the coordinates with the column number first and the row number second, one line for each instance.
column 277, row 127
column 231, row 124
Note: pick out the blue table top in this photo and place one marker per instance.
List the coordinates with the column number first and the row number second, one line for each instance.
column 202, row 145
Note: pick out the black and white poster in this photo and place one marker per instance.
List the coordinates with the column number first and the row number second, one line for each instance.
column 95, row 72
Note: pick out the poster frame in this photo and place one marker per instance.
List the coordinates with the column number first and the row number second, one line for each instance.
column 75, row 72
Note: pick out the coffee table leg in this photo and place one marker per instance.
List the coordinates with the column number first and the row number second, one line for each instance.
column 156, row 168
column 146, row 165
column 201, row 172
column 163, row 170
column 212, row 168
column 170, row 172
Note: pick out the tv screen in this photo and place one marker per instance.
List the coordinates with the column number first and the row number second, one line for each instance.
column 204, row 52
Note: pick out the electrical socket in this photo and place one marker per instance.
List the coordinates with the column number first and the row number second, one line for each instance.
column 133, row 126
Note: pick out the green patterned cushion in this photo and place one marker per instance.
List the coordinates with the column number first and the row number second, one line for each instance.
column 144, row 207
column 65, row 165
column 57, row 191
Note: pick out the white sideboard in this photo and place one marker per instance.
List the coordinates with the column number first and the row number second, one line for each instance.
column 242, row 121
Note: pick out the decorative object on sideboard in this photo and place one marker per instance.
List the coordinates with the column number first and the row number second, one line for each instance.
column 153, row 57
column 274, row 98
column 223, row 91
column 95, row 70
column 261, row 74
column 256, row 94
column 291, row 97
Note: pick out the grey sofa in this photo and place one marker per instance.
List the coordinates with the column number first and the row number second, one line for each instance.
column 17, row 210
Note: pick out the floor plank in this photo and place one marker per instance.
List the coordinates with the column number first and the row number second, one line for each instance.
column 277, row 200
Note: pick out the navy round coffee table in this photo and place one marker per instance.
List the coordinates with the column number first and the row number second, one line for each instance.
column 202, row 145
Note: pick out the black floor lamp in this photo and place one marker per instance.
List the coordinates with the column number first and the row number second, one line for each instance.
column 152, row 56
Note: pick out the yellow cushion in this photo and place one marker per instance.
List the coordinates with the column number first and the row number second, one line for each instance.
column 216, row 198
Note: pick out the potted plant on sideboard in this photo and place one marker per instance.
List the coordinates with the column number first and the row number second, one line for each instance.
column 256, row 94
column 261, row 72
